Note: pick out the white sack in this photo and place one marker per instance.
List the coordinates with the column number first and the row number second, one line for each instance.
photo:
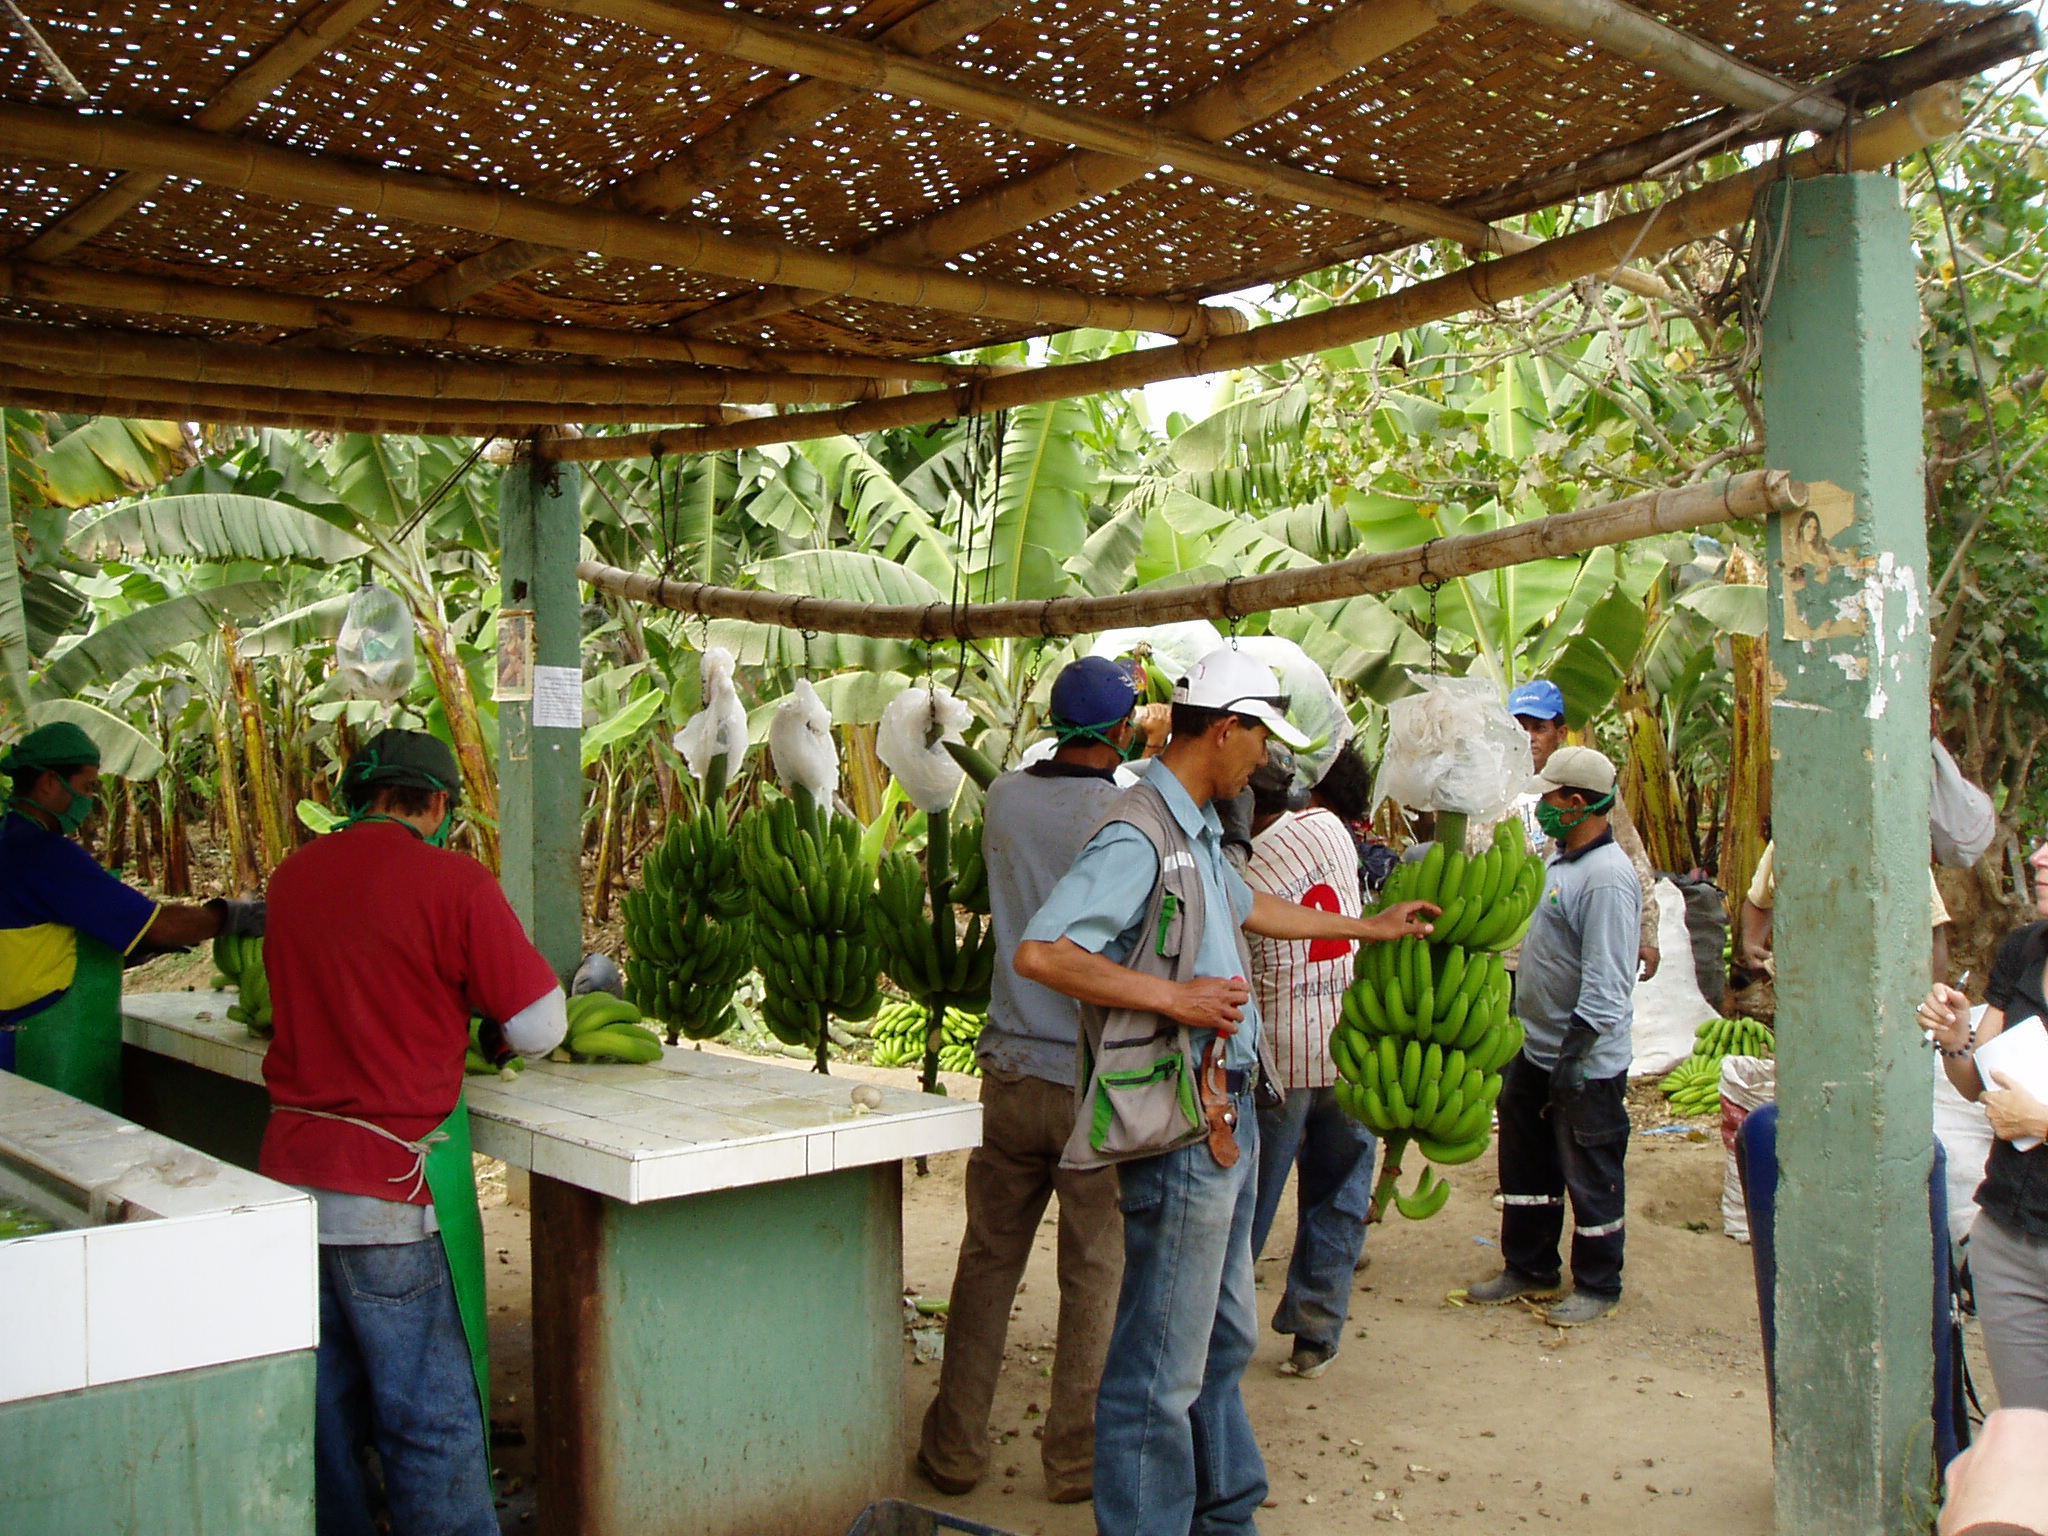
column 1454, row 747
column 720, row 726
column 1669, row 1006
column 800, row 739
column 910, row 742
column 1747, row 1083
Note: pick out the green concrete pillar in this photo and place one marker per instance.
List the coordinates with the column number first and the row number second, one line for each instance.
column 540, row 709
column 1848, row 647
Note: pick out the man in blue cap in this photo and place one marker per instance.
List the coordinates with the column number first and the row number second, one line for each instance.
column 58, row 906
column 1538, row 707
column 1036, row 820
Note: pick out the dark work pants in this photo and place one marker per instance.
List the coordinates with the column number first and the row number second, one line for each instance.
column 1550, row 1149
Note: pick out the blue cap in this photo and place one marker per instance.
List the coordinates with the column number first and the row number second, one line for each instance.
column 1093, row 691
column 1541, row 700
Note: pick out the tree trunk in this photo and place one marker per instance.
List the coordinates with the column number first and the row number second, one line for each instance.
column 267, row 811
column 242, row 872
column 1749, row 756
column 608, row 838
column 458, row 702
column 1652, row 791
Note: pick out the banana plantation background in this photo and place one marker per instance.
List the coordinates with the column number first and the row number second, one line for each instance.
column 184, row 585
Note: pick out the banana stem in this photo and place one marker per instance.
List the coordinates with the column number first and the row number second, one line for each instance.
column 934, row 1035
column 1389, row 1181
column 821, row 1062
column 938, row 873
column 714, row 779
column 1450, row 830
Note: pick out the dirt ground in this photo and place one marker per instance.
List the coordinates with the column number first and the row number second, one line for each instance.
column 1454, row 1418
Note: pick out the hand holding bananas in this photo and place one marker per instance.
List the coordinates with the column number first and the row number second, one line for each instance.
column 238, row 963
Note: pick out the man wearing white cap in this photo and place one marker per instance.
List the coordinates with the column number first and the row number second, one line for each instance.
column 1146, row 930
column 1563, row 1111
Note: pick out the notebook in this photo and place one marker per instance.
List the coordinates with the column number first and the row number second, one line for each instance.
column 2021, row 1053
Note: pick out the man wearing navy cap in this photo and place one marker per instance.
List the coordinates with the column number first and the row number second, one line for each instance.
column 1036, row 820
column 1538, row 707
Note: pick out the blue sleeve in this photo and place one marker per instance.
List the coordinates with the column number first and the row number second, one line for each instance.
column 1610, row 923
column 1102, row 897
column 1239, row 890
column 73, row 890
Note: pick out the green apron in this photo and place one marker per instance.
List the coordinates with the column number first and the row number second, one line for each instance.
column 74, row 1045
column 451, row 1180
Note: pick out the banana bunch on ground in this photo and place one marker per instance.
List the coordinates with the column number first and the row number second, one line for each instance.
column 1426, row 1024
column 690, row 927
column 238, row 963
column 815, row 914
column 970, row 868
column 912, row 952
column 603, row 1027
column 901, row 1030
column 1694, row 1086
column 1487, row 899
column 476, row 1064
column 1733, row 1037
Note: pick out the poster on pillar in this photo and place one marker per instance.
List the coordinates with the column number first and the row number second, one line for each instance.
column 1824, row 579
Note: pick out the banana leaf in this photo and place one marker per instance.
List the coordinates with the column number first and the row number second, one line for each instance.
column 112, row 649
column 297, row 629
column 1041, row 507
column 109, row 457
column 214, row 528
column 124, row 751
column 14, row 656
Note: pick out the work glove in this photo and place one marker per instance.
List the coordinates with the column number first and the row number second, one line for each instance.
column 239, row 919
column 1568, row 1077
column 490, row 1042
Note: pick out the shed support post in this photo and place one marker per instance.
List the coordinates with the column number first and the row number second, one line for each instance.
column 539, row 763
column 1849, row 726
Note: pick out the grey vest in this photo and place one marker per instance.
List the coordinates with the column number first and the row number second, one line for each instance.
column 1140, row 1097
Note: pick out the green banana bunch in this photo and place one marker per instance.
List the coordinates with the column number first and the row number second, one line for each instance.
column 607, row 1028
column 476, row 1064
column 1733, row 1037
column 1426, row 1024
column 911, row 952
column 902, row 1029
column 970, row 868
column 690, row 927
column 1487, row 899
column 238, row 963
column 815, row 915
column 1694, row 1086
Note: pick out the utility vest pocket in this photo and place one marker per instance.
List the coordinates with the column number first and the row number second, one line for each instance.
column 1142, row 1106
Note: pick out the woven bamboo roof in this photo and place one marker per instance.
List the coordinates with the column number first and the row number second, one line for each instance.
column 358, row 212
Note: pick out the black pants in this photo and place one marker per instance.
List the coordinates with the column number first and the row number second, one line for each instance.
column 1549, row 1149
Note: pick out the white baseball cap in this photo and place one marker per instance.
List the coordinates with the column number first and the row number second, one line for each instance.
column 1575, row 768
column 1230, row 680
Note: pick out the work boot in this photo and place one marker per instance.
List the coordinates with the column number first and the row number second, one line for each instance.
column 1579, row 1309
column 1308, row 1360
column 953, row 1486
column 1509, row 1286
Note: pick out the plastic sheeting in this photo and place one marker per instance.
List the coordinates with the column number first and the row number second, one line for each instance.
column 909, row 741
column 1669, row 1006
column 373, row 654
column 1312, row 704
column 1454, row 747
column 800, row 740
column 721, row 725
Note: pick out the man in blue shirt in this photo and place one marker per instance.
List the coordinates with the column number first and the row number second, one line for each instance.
column 1109, row 936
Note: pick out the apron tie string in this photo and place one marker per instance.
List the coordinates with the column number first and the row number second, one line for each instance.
column 419, row 1149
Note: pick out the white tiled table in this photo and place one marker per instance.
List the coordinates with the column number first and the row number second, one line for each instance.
column 717, row 1263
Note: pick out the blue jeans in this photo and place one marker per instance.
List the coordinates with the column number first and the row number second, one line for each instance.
column 394, row 1374
column 1331, row 1200
column 1174, row 1453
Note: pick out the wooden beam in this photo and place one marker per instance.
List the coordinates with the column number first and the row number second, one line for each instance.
column 1294, row 68
column 317, row 31
column 41, row 135
column 81, row 350
column 721, row 153
column 1756, row 494
column 1920, row 120
column 1623, row 30
column 15, row 392
column 777, row 45
column 203, row 401
column 139, row 294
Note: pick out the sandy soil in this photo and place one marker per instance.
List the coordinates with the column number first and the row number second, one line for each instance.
column 1457, row 1418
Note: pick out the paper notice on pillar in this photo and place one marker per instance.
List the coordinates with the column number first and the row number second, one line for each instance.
column 2021, row 1053
column 558, row 698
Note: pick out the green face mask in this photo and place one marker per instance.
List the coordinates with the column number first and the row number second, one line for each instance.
column 74, row 815
column 1100, row 734
column 1556, row 821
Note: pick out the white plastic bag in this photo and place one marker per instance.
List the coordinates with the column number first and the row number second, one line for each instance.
column 1175, row 647
column 1452, row 747
column 1747, row 1083
column 1669, row 1007
column 910, row 742
column 1312, row 704
column 1961, row 819
column 800, row 739
column 373, row 653
column 720, row 726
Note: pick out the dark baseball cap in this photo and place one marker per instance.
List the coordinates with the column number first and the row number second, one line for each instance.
column 1093, row 691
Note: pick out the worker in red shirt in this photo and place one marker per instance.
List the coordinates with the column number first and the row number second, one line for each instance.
column 381, row 946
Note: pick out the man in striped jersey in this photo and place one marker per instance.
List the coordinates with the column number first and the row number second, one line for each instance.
column 1308, row 857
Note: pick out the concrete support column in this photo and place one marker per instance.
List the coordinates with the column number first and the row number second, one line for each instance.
column 540, row 776
column 1848, row 650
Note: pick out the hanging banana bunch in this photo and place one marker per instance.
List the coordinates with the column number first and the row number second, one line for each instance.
column 901, row 1029
column 690, row 926
column 238, row 963
column 1427, row 1025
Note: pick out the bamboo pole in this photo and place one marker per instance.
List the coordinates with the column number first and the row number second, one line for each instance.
column 1623, row 30
column 197, row 400
column 41, row 135
column 721, row 153
column 151, row 409
column 101, row 352
column 1924, row 117
column 143, row 294
column 777, row 45
column 317, row 31
column 1292, row 69
column 1755, row 494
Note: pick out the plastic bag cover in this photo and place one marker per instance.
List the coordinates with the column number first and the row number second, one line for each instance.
column 1454, row 747
column 904, row 743
column 373, row 654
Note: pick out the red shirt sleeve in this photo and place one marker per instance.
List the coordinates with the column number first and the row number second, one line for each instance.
column 506, row 972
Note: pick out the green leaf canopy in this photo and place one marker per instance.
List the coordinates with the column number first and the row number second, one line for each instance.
column 140, row 638
column 215, row 527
